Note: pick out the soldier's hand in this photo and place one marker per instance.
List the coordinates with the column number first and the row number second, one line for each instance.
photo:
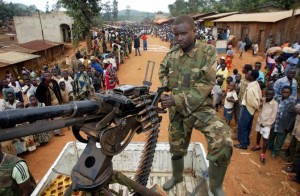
column 167, row 101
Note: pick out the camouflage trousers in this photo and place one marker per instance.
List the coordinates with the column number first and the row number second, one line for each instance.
column 216, row 131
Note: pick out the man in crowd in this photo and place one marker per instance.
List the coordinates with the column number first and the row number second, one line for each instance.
column 250, row 103
column 190, row 80
column 288, row 80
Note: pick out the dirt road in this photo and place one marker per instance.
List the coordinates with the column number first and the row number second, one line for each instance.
column 245, row 175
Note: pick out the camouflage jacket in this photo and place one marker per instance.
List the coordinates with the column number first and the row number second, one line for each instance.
column 190, row 76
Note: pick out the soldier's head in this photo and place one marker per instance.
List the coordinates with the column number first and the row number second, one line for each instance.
column 184, row 31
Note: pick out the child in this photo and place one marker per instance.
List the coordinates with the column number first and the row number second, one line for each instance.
column 284, row 121
column 66, row 95
column 264, row 123
column 44, row 137
column 255, row 49
column 10, row 102
column 229, row 79
column 6, row 89
column 229, row 57
column 222, row 73
column 238, row 78
column 217, row 94
column 235, row 72
column 230, row 99
column 111, row 78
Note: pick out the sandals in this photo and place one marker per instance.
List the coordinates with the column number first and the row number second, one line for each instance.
column 255, row 148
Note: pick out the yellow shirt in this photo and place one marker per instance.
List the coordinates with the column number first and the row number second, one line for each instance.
column 224, row 74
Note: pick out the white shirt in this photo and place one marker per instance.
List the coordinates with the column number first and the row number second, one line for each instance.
column 68, row 82
column 16, row 88
column 2, row 101
column 227, row 104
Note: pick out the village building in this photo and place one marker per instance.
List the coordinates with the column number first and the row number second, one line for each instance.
column 258, row 27
column 14, row 62
column 55, row 27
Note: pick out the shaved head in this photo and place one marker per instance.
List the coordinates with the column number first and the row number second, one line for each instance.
column 185, row 19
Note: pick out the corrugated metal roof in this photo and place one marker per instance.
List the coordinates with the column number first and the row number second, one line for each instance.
column 201, row 14
column 219, row 15
column 14, row 47
column 259, row 17
column 38, row 45
column 12, row 57
column 162, row 20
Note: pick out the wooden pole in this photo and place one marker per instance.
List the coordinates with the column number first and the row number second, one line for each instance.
column 291, row 26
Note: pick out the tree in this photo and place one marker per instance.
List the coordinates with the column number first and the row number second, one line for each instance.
column 107, row 11
column 178, row 8
column 127, row 12
column 115, row 10
column 47, row 7
column 83, row 12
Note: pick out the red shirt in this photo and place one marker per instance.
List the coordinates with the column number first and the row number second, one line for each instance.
column 144, row 37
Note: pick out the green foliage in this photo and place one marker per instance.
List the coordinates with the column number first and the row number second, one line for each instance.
column 178, row 8
column 115, row 10
column 83, row 12
column 9, row 10
column 201, row 6
column 107, row 9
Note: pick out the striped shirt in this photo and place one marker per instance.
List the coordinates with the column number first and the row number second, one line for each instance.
column 20, row 172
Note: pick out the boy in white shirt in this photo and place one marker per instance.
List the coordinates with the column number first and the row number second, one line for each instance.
column 230, row 99
column 264, row 123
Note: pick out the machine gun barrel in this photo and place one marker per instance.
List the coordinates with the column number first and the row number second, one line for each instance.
column 9, row 118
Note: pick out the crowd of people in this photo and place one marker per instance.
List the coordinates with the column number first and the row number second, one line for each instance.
column 83, row 75
column 273, row 95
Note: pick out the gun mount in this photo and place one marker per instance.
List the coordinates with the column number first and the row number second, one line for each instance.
column 111, row 119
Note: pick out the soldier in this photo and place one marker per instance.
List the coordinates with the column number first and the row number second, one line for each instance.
column 189, row 71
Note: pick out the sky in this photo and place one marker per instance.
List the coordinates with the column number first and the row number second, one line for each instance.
column 140, row 5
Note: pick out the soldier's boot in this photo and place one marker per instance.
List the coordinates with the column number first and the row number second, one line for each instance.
column 216, row 177
column 177, row 177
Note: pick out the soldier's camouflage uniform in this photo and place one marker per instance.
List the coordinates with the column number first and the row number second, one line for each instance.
column 190, row 77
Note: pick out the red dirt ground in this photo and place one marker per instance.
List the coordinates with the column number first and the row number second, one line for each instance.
column 245, row 174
